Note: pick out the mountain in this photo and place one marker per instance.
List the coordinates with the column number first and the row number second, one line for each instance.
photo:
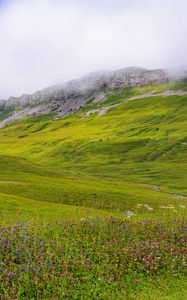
column 95, row 189
column 73, row 95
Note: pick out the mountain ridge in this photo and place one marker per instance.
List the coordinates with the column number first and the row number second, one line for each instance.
column 67, row 98
column 112, row 79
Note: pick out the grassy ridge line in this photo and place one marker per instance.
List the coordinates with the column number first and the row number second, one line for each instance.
column 118, row 96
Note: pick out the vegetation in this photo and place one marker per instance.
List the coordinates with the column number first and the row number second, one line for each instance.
column 100, row 201
column 180, row 85
column 5, row 115
column 90, row 259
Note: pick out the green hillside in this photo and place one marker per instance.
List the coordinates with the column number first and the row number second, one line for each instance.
column 108, row 161
column 83, row 167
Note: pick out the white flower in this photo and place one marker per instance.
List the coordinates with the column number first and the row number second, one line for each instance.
column 148, row 207
column 130, row 213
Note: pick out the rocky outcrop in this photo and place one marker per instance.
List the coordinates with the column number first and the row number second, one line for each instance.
column 2, row 104
column 94, row 82
column 73, row 95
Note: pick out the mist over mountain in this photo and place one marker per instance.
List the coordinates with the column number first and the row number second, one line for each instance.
column 87, row 85
column 93, row 81
column 69, row 97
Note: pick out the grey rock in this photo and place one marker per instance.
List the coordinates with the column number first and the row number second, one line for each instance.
column 2, row 104
column 94, row 82
column 69, row 97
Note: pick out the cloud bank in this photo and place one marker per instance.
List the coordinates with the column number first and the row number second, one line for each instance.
column 46, row 42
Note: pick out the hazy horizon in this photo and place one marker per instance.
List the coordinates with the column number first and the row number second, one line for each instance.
column 47, row 42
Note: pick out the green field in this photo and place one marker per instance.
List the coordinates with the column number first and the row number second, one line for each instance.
column 83, row 168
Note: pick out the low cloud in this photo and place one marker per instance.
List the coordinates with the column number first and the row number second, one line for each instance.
column 46, row 42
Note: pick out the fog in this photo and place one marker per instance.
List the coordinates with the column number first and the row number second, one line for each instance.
column 47, row 42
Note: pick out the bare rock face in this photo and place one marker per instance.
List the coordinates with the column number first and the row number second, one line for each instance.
column 137, row 77
column 94, row 82
column 2, row 104
column 70, row 97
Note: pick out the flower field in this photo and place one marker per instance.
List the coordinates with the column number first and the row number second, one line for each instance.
column 90, row 259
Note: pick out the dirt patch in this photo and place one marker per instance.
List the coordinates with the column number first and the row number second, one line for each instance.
column 156, row 188
column 179, row 196
column 102, row 111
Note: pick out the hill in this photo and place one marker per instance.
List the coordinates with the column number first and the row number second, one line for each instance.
column 100, row 194
column 139, row 143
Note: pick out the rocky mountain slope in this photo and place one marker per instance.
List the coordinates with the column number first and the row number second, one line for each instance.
column 73, row 95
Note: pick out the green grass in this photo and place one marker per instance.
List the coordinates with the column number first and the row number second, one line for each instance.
column 180, row 85
column 143, row 141
column 98, row 167
column 4, row 115
column 16, row 209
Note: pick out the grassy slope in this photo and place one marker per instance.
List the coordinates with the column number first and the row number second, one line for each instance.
column 4, row 115
column 107, row 161
column 80, row 167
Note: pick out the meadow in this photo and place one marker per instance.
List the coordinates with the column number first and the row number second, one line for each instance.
column 94, row 207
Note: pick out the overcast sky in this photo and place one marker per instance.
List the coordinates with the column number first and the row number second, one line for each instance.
column 46, row 42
